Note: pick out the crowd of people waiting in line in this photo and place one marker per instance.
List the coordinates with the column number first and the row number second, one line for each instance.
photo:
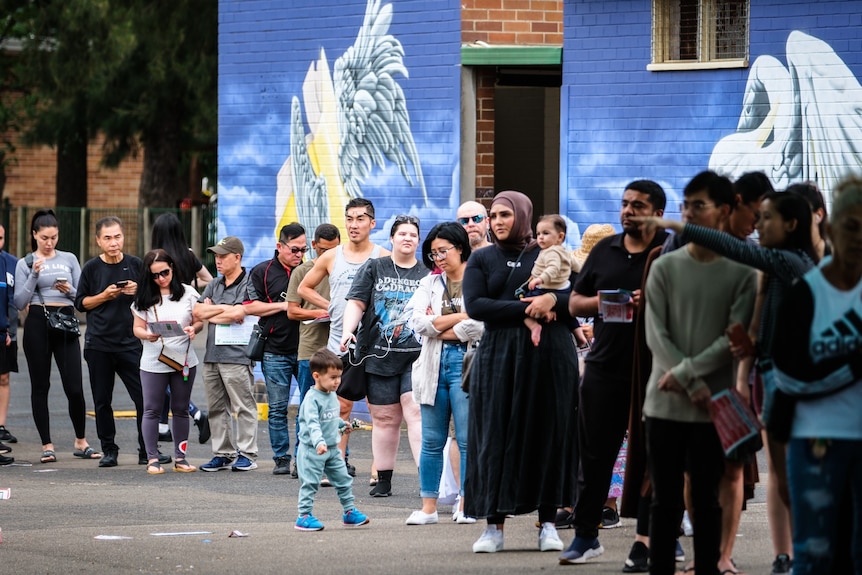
column 672, row 321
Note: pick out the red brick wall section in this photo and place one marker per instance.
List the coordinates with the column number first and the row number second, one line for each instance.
column 486, row 78
column 512, row 22
column 31, row 180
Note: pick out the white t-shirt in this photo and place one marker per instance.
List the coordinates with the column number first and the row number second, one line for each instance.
column 175, row 347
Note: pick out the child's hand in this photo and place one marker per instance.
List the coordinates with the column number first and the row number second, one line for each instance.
column 534, row 283
column 321, row 449
column 347, row 428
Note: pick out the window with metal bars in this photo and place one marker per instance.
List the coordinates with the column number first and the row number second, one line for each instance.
column 700, row 31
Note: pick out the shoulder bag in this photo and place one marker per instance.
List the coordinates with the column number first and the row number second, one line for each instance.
column 171, row 362
column 353, row 385
column 67, row 324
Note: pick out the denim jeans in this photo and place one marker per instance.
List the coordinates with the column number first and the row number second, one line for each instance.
column 305, row 382
column 819, row 491
column 450, row 400
column 277, row 371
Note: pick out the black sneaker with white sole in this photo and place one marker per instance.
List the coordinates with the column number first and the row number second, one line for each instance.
column 638, row 560
column 6, row 436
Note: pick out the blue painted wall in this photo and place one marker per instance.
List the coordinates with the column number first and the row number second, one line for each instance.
column 265, row 51
column 620, row 122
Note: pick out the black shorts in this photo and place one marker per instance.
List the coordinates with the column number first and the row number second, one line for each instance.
column 387, row 390
column 9, row 358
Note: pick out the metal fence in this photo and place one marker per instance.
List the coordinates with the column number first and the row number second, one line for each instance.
column 77, row 234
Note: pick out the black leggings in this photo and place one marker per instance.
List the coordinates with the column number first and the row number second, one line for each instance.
column 40, row 344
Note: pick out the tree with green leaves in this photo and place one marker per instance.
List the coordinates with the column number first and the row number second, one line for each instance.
column 143, row 74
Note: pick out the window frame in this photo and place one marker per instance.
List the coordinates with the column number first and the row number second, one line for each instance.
column 661, row 40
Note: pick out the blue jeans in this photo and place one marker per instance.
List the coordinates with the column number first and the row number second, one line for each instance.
column 817, row 490
column 450, row 400
column 305, row 382
column 277, row 371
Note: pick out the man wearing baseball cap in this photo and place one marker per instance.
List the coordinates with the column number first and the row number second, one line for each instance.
column 227, row 372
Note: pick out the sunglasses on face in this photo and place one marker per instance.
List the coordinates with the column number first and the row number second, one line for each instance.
column 475, row 219
column 162, row 274
column 295, row 250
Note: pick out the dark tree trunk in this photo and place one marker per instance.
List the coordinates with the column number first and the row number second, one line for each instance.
column 161, row 183
column 72, row 171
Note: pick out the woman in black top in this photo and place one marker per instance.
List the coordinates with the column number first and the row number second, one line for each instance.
column 521, row 447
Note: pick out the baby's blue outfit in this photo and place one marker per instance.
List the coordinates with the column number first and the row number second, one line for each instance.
column 320, row 422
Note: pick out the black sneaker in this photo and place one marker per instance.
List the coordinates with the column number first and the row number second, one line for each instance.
column 164, row 458
column 109, row 458
column 282, row 466
column 203, row 424
column 382, row 489
column 6, row 460
column 782, row 565
column 6, row 436
column 5, row 448
column 565, row 519
column 610, row 519
column 166, row 437
column 294, row 472
column 638, row 561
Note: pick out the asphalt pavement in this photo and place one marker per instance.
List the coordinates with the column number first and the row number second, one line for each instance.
column 73, row 517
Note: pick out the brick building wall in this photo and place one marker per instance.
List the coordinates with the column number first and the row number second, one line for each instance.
column 503, row 23
column 31, row 179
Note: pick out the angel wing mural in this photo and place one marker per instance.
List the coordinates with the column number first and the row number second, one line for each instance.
column 357, row 119
column 800, row 122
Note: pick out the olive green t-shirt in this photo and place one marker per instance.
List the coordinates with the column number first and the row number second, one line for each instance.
column 312, row 336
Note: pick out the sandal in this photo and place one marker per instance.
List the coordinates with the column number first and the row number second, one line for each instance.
column 183, row 466
column 48, row 456
column 154, row 468
column 87, row 453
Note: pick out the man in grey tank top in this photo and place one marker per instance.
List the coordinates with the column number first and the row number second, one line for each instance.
column 340, row 266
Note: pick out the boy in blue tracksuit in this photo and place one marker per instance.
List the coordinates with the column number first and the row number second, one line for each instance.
column 320, row 429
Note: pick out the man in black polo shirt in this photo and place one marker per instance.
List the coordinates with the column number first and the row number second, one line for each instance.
column 615, row 263
column 267, row 294
column 105, row 292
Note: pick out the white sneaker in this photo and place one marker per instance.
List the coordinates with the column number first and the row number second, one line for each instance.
column 491, row 541
column 548, row 538
column 461, row 519
column 687, row 527
column 419, row 517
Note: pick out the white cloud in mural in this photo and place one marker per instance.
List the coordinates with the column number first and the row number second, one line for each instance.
column 799, row 122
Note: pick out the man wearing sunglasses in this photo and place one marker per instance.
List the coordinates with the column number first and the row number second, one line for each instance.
column 267, row 295
column 474, row 217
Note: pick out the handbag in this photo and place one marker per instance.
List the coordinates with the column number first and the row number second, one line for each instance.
column 353, row 385
column 256, row 343
column 171, row 362
column 58, row 321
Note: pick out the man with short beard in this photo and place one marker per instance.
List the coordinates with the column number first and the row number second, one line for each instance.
column 474, row 217
column 615, row 263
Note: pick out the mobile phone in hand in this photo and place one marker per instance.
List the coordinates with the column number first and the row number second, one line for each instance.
column 738, row 336
column 122, row 283
column 60, row 281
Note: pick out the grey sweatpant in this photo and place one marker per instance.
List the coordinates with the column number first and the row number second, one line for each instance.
column 311, row 468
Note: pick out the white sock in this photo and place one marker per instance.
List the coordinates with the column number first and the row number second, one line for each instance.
column 163, row 428
column 197, row 416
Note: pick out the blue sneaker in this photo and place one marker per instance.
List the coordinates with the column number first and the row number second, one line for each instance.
column 308, row 522
column 354, row 518
column 581, row 550
column 243, row 463
column 217, row 463
column 679, row 554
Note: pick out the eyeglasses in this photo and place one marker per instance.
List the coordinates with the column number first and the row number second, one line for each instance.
column 695, row 206
column 475, row 219
column 295, row 250
column 162, row 274
column 439, row 254
column 401, row 218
